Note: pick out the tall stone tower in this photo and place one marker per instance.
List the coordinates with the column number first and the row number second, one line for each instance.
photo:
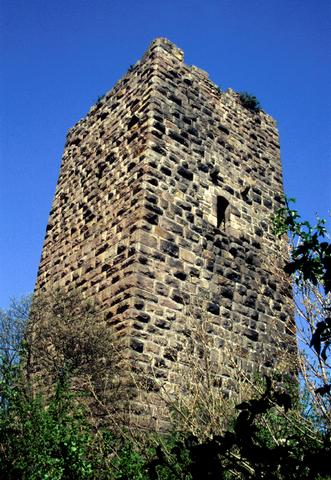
column 163, row 209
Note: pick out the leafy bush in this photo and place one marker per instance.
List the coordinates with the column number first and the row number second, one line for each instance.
column 309, row 266
column 311, row 253
column 39, row 440
column 249, row 101
column 268, row 439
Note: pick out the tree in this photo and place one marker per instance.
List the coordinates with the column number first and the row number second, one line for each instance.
column 56, row 336
column 13, row 324
column 66, row 336
column 41, row 438
column 58, row 367
column 310, row 268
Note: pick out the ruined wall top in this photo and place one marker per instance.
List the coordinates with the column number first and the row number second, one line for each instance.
column 164, row 44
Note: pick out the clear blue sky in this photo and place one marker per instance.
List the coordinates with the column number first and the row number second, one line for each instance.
column 58, row 56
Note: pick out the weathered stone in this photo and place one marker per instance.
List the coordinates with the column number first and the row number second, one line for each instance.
column 186, row 173
column 187, row 256
column 213, row 308
column 163, row 205
column 169, row 248
column 143, row 317
column 181, row 275
column 136, row 345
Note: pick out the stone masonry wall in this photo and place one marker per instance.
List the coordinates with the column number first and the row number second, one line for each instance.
column 163, row 211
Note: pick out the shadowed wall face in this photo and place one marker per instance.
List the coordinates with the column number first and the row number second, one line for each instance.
column 163, row 212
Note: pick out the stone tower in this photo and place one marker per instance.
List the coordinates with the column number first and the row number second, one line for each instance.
column 163, row 207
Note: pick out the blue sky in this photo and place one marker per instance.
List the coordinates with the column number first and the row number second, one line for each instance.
column 58, row 57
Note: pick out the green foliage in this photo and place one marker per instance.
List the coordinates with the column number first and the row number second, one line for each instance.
column 310, row 262
column 311, row 256
column 249, row 101
column 266, row 441
column 39, row 440
column 310, row 266
column 53, row 441
column 130, row 464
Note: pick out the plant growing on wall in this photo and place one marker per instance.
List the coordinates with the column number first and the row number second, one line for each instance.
column 249, row 101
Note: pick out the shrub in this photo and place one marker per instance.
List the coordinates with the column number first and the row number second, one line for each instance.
column 38, row 439
column 249, row 101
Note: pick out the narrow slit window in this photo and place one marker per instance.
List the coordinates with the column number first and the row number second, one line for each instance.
column 223, row 210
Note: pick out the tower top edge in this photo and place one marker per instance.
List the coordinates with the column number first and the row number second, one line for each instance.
column 162, row 43
column 158, row 49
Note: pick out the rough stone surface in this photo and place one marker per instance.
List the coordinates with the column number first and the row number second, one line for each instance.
column 135, row 220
